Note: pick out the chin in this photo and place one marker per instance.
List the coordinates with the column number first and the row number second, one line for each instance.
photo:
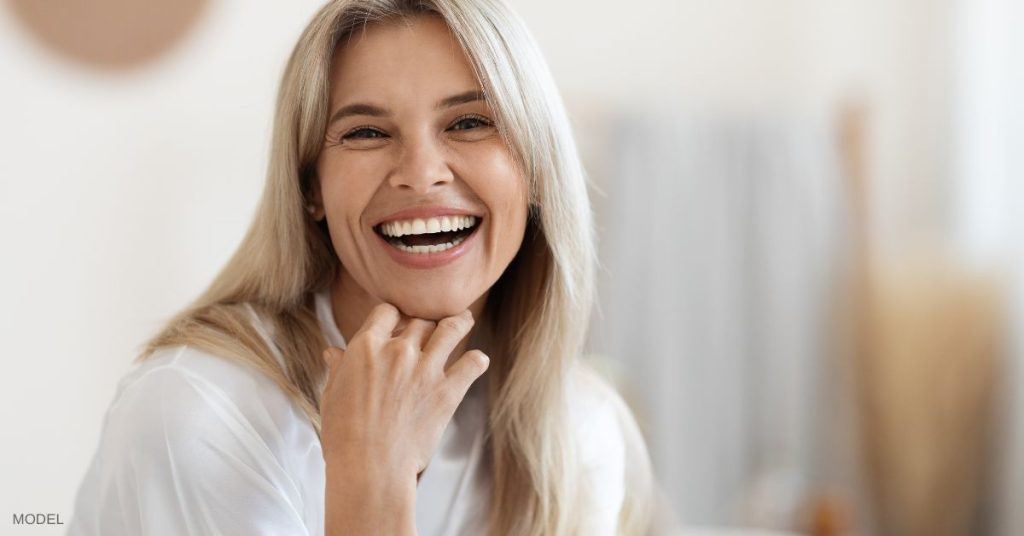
column 431, row 306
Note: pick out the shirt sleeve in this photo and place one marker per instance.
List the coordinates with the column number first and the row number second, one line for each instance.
column 182, row 455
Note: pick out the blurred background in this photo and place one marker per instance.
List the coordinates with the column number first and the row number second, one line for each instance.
column 811, row 220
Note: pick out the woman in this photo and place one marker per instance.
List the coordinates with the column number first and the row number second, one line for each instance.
column 425, row 220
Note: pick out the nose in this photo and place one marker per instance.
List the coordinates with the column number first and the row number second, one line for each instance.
column 421, row 166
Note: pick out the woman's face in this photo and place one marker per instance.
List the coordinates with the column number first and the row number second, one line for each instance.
column 424, row 203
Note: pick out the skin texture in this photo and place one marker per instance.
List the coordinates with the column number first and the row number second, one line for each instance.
column 392, row 392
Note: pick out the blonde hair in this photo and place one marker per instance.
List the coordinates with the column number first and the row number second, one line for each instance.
column 537, row 312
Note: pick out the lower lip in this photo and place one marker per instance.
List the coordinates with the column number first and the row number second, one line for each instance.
column 429, row 260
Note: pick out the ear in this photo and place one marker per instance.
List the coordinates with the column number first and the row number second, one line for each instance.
column 315, row 205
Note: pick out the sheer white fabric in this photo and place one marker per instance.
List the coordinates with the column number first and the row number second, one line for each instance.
column 196, row 444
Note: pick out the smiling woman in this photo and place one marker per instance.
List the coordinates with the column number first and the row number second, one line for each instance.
column 414, row 144
column 393, row 349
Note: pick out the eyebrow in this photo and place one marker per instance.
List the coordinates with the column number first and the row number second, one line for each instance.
column 360, row 108
column 461, row 98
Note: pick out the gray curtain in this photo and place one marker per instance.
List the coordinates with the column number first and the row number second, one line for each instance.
column 720, row 243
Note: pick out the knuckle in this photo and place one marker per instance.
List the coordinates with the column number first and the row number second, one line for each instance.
column 368, row 339
column 371, row 366
column 447, row 397
column 402, row 347
column 454, row 323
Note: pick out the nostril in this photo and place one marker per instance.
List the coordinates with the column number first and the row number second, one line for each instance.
column 420, row 174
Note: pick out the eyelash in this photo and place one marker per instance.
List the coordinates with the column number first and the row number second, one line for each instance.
column 485, row 122
column 351, row 133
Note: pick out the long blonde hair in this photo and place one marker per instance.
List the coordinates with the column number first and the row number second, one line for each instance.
column 536, row 314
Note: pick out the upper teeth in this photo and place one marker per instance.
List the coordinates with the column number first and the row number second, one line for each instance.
column 425, row 226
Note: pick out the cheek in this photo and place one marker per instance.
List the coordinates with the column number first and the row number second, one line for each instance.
column 504, row 191
column 348, row 178
column 510, row 215
column 347, row 186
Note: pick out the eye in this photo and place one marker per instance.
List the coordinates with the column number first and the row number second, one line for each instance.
column 363, row 133
column 470, row 122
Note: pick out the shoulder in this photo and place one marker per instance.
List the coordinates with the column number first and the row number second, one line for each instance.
column 189, row 374
column 596, row 413
column 188, row 430
column 594, row 408
column 193, row 401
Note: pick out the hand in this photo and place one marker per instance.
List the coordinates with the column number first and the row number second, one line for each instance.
column 389, row 398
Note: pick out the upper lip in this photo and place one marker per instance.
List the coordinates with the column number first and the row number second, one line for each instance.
column 426, row 212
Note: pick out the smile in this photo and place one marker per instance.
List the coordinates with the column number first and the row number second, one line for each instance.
column 428, row 235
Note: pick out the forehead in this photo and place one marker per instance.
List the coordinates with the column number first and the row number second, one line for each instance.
column 402, row 57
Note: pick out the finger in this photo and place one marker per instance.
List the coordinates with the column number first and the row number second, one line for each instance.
column 403, row 321
column 462, row 373
column 418, row 331
column 449, row 331
column 381, row 321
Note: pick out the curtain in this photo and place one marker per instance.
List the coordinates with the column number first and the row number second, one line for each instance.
column 721, row 245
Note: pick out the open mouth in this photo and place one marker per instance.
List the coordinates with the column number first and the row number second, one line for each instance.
column 428, row 235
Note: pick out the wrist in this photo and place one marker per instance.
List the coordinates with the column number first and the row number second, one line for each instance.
column 369, row 467
column 375, row 475
column 369, row 498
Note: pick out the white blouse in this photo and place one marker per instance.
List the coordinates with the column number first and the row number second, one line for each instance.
column 196, row 444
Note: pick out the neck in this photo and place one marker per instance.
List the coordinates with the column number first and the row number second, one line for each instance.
column 351, row 305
